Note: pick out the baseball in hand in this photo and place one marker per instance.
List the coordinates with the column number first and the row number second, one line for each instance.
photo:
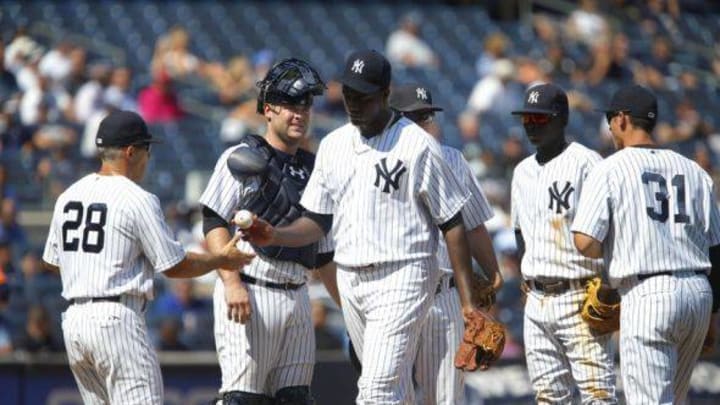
column 243, row 219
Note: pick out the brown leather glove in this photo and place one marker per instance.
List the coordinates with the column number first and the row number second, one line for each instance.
column 601, row 309
column 483, row 342
column 482, row 291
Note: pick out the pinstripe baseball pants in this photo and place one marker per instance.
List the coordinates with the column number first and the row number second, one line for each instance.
column 663, row 323
column 384, row 307
column 562, row 353
column 110, row 352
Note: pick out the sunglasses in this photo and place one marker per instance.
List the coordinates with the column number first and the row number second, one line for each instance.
column 420, row 117
column 535, row 119
column 144, row 145
column 612, row 114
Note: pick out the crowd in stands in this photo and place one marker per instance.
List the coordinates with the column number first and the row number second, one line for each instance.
column 53, row 94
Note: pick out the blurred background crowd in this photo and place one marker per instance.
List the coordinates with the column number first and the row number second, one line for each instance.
column 190, row 68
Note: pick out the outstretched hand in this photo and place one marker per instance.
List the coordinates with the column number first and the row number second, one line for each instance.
column 235, row 258
column 260, row 233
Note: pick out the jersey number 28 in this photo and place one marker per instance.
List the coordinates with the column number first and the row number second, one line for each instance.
column 94, row 224
column 661, row 215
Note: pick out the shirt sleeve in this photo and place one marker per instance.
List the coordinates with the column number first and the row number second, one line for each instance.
column 714, row 221
column 476, row 210
column 326, row 243
column 437, row 186
column 222, row 193
column 514, row 203
column 592, row 216
column 154, row 235
column 317, row 196
column 51, row 254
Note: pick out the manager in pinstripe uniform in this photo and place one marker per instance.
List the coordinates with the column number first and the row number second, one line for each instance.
column 653, row 215
column 108, row 239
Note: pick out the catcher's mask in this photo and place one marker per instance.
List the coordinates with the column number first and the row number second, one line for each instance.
column 291, row 82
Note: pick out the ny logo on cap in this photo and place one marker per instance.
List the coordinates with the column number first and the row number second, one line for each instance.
column 421, row 93
column 357, row 66
column 533, row 97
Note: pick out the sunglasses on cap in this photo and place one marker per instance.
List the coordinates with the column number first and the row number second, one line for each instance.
column 420, row 117
column 612, row 114
column 535, row 119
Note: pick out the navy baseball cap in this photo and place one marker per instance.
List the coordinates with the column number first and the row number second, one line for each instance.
column 412, row 97
column 636, row 101
column 545, row 98
column 366, row 71
column 123, row 128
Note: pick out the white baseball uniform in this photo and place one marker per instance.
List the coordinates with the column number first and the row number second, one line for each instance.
column 108, row 237
column 562, row 352
column 388, row 194
column 436, row 378
column 276, row 348
column 655, row 212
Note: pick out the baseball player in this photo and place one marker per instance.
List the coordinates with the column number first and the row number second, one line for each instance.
column 382, row 185
column 562, row 352
column 263, row 330
column 107, row 238
column 436, row 378
column 652, row 214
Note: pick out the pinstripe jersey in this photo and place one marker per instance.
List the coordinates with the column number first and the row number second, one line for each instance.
column 223, row 195
column 476, row 210
column 654, row 209
column 543, row 204
column 387, row 193
column 107, row 235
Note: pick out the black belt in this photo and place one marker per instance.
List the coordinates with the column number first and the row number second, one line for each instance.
column 451, row 284
column 555, row 286
column 112, row 298
column 269, row 284
column 643, row 277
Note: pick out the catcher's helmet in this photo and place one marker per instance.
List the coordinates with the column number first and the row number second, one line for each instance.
column 290, row 81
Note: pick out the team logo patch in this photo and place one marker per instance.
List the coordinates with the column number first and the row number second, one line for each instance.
column 560, row 199
column 386, row 178
column 533, row 97
column 421, row 93
column 358, row 66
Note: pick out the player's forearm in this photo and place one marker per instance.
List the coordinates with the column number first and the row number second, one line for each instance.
column 328, row 276
column 459, row 253
column 194, row 265
column 482, row 251
column 302, row 232
column 216, row 239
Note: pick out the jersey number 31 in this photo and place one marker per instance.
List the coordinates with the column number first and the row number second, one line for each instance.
column 661, row 215
column 93, row 235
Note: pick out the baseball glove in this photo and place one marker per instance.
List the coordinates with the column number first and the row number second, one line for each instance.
column 601, row 309
column 482, row 291
column 483, row 342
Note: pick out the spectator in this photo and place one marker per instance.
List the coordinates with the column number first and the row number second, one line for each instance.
column 169, row 336
column 406, row 48
column 117, row 93
column 45, row 103
column 7, row 266
column 37, row 282
column 37, row 335
column 494, row 49
column 325, row 339
column 57, row 64
column 587, row 25
column 90, row 96
column 5, row 332
column 9, row 226
column 493, row 92
column 158, row 102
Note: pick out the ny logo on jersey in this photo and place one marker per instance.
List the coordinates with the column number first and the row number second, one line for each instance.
column 296, row 172
column 357, row 66
column 560, row 198
column 533, row 97
column 391, row 177
column 421, row 93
